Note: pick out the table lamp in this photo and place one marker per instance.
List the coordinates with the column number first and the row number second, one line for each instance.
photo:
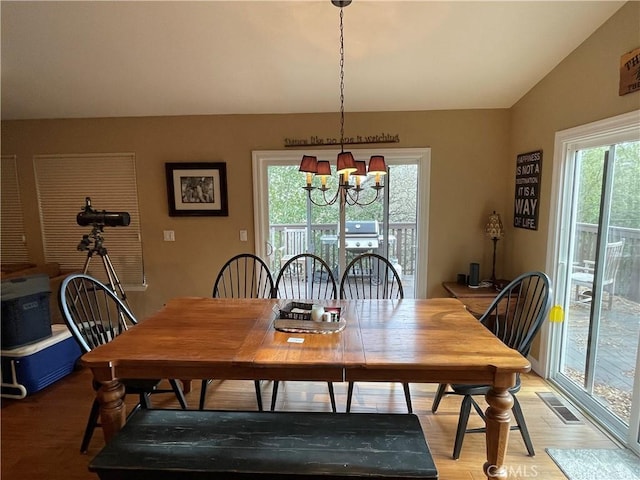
column 495, row 232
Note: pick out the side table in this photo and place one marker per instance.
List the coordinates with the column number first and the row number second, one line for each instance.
column 477, row 300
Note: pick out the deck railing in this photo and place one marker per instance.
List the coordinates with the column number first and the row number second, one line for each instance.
column 290, row 239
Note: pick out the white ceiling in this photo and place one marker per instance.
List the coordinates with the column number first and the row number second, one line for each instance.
column 126, row 58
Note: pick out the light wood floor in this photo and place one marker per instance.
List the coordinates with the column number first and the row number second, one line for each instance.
column 41, row 433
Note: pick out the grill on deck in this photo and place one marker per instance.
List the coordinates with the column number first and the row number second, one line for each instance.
column 362, row 235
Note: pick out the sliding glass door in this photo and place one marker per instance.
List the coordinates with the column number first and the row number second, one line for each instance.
column 288, row 223
column 595, row 350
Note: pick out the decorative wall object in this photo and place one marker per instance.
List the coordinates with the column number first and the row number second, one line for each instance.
column 197, row 189
column 527, row 201
column 630, row 72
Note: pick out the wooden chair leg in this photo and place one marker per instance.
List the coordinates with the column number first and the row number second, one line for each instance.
column 92, row 423
column 465, row 409
column 442, row 389
column 522, row 425
column 258, row 394
column 179, row 394
column 349, row 396
column 332, row 397
column 145, row 401
column 274, row 395
column 407, row 397
column 203, row 393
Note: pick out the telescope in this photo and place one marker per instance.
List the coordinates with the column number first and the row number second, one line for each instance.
column 90, row 216
column 93, row 242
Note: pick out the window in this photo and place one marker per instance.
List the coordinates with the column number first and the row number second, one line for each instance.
column 63, row 183
column 14, row 248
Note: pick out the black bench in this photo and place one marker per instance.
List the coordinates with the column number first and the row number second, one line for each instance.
column 193, row 444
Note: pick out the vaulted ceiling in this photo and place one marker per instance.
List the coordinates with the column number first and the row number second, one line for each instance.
column 139, row 58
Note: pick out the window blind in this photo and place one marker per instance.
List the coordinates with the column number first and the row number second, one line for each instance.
column 12, row 236
column 63, row 183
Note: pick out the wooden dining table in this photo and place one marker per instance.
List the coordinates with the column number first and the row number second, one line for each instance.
column 409, row 340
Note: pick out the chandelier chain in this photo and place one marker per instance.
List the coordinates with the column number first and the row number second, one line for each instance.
column 341, row 81
column 347, row 166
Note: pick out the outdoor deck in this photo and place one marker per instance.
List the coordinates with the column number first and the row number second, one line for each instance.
column 616, row 353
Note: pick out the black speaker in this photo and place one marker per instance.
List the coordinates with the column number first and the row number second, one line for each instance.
column 474, row 274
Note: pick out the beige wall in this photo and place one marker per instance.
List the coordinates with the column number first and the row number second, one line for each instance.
column 581, row 89
column 472, row 171
column 469, row 152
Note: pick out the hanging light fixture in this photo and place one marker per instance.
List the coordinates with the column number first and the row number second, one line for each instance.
column 346, row 165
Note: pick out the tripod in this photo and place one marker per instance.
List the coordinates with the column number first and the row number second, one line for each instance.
column 93, row 244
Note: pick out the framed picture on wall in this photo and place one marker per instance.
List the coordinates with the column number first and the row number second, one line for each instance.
column 197, row 189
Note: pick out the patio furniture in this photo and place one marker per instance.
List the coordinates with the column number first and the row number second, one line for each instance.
column 583, row 276
column 294, row 242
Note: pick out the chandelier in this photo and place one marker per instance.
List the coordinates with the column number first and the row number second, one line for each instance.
column 346, row 165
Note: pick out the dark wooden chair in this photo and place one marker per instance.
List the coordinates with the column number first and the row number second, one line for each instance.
column 243, row 276
column 305, row 277
column 515, row 317
column 95, row 315
column 370, row 275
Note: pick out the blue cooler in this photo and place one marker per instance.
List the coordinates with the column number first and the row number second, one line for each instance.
column 25, row 310
column 28, row 369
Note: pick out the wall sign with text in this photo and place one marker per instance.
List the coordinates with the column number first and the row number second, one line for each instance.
column 630, row 72
column 317, row 141
column 527, row 201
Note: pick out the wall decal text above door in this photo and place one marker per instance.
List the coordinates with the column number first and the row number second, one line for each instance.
column 316, row 141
